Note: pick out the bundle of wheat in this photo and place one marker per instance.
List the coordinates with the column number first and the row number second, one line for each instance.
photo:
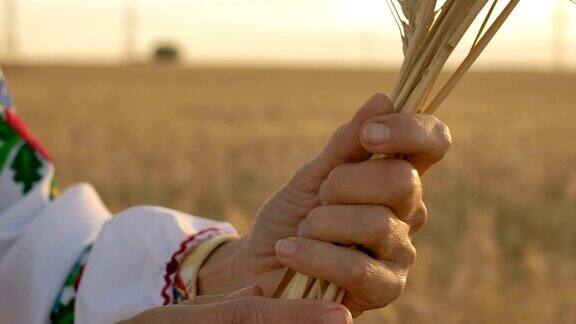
column 430, row 33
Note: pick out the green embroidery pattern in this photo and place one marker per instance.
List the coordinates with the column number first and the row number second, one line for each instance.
column 63, row 309
column 27, row 167
column 9, row 138
column 26, row 164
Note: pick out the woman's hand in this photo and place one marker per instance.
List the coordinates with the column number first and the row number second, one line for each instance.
column 245, row 306
column 342, row 196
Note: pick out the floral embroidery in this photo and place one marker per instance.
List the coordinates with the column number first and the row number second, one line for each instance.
column 17, row 143
column 25, row 157
column 63, row 309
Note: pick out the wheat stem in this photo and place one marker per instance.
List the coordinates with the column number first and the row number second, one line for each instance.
column 340, row 296
column 429, row 39
column 485, row 22
column 331, row 292
column 453, row 9
column 316, row 289
column 415, row 101
column 472, row 57
column 423, row 23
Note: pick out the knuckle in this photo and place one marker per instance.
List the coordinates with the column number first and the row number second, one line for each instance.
column 315, row 222
column 340, row 131
column 390, row 289
column 410, row 253
column 329, row 187
column 339, row 172
column 337, row 136
column 300, row 174
column 407, row 182
column 358, row 275
column 301, row 180
column 376, row 286
column 325, row 192
column 399, row 227
column 403, row 252
column 397, row 287
column 380, row 102
column 379, row 220
column 418, row 219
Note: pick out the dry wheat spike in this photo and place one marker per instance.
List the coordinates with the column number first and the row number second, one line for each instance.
column 430, row 32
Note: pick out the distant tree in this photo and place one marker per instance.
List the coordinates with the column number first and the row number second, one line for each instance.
column 166, row 53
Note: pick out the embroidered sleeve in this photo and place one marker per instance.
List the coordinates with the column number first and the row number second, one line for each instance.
column 24, row 163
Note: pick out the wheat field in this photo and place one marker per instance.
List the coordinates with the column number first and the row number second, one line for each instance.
column 500, row 246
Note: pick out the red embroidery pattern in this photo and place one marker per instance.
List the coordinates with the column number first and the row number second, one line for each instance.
column 173, row 266
column 19, row 127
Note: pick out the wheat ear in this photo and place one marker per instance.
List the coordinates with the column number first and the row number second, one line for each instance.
column 429, row 37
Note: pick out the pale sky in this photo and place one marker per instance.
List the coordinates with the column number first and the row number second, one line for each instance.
column 311, row 32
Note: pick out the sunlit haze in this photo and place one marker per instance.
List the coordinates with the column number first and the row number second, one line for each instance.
column 292, row 32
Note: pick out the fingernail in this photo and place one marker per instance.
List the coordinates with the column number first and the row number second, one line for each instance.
column 376, row 133
column 286, row 247
column 337, row 316
column 302, row 229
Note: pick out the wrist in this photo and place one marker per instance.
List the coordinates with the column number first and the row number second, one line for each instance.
column 220, row 273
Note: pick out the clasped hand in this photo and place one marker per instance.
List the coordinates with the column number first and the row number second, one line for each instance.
column 340, row 198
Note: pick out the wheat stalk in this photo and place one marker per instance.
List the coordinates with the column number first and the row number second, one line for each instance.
column 429, row 37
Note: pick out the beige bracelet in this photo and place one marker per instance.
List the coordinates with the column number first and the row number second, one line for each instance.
column 195, row 259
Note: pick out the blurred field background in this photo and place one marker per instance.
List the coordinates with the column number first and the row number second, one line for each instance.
column 500, row 246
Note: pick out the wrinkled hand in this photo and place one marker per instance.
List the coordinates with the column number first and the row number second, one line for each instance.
column 342, row 196
column 245, row 306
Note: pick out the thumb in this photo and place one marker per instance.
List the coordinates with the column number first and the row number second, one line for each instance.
column 255, row 310
column 343, row 147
